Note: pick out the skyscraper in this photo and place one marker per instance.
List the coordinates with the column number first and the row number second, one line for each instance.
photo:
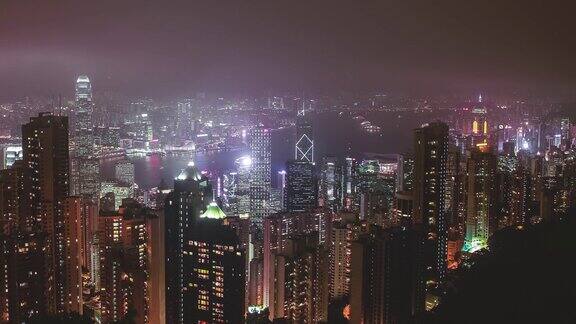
column 125, row 242
column 430, row 161
column 300, row 193
column 124, row 172
column 46, row 186
column 481, row 199
column 214, row 281
column 260, row 174
column 83, row 130
column 304, row 148
column 387, row 283
column 330, row 183
column 182, row 208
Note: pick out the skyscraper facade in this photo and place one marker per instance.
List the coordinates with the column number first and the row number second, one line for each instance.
column 430, row 161
column 214, row 286
column 300, row 188
column 46, row 186
column 182, row 208
column 260, row 173
column 304, row 148
column 481, row 199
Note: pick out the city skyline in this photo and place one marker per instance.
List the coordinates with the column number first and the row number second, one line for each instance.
column 275, row 162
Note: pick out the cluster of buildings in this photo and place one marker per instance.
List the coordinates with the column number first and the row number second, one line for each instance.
column 377, row 235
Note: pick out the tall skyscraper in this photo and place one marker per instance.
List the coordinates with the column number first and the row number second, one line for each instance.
column 304, row 148
column 46, row 187
column 387, row 283
column 85, row 168
column 83, row 130
column 481, row 199
column 300, row 291
column 260, row 174
column 125, row 279
column 330, row 183
column 430, row 162
column 300, row 191
column 214, row 284
column 182, row 208
column 124, row 172
column 277, row 228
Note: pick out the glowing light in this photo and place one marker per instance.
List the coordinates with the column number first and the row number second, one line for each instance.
column 475, row 127
column 244, row 161
column 476, row 244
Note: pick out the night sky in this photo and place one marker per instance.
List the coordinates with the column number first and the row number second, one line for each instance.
column 172, row 47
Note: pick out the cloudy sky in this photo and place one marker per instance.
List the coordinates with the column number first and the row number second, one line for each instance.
column 172, row 47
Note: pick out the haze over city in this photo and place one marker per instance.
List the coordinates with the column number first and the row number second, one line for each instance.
column 259, row 162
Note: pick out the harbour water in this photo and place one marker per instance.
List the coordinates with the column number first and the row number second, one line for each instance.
column 334, row 134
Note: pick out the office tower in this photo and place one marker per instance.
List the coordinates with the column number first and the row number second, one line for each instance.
column 46, row 186
column 277, row 228
column 408, row 173
column 330, row 183
column 182, row 208
column 403, row 207
column 214, row 284
column 85, row 172
column 260, row 173
column 481, row 199
column 430, row 160
column 9, row 155
column 120, row 190
column 83, row 130
column 125, row 243
column 387, row 283
column 520, row 197
column 241, row 194
column 282, row 188
column 348, row 183
column 300, row 193
column 304, row 148
column 124, row 172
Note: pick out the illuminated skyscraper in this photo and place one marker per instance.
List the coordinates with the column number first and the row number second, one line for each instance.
column 304, row 148
column 430, row 162
column 214, row 281
column 124, row 172
column 300, row 193
column 182, row 208
column 46, row 186
column 330, row 183
column 260, row 174
column 481, row 199
column 83, row 129
column 125, row 278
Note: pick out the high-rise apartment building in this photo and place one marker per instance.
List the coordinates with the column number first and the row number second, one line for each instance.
column 387, row 283
column 46, row 187
column 430, row 162
column 481, row 199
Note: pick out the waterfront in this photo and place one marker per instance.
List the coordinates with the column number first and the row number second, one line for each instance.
column 338, row 135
